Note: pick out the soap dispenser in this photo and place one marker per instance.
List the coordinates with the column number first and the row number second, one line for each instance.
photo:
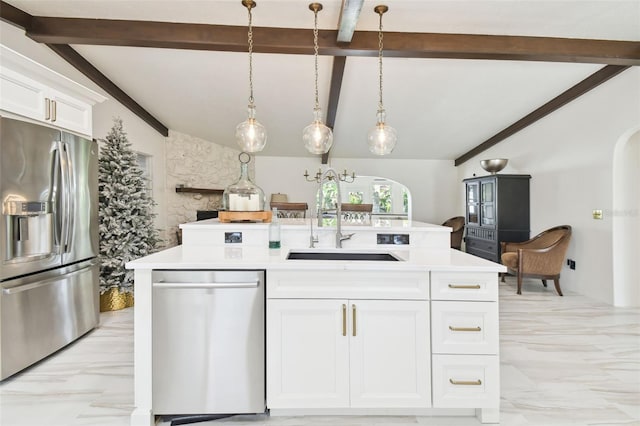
column 274, row 230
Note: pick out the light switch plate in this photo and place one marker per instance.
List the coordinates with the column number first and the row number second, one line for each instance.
column 597, row 214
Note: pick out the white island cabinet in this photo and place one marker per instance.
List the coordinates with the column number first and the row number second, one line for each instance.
column 355, row 352
column 417, row 336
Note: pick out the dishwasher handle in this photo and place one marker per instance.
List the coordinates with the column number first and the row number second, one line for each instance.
column 247, row 284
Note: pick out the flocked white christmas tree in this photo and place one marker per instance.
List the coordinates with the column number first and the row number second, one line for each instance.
column 127, row 230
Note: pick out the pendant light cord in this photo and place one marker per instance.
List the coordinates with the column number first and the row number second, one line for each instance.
column 250, row 37
column 380, row 106
column 315, row 50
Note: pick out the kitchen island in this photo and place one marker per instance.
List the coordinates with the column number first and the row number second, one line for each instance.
column 417, row 335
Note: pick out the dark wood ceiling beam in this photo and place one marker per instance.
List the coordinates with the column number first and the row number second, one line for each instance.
column 335, row 88
column 364, row 43
column 594, row 80
column 85, row 67
column 14, row 16
column 349, row 14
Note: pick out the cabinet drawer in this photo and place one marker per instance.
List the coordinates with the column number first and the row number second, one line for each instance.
column 484, row 245
column 471, row 381
column 464, row 286
column 464, row 327
column 322, row 284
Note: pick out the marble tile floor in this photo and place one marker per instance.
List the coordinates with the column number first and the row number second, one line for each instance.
column 566, row 361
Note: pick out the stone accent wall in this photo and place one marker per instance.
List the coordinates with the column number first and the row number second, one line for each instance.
column 196, row 163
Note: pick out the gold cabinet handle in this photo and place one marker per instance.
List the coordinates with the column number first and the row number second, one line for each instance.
column 344, row 319
column 465, row 286
column 452, row 328
column 47, row 108
column 354, row 319
column 466, row 382
column 54, row 113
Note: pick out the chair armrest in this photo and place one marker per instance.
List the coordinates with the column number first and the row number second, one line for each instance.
column 512, row 246
column 545, row 261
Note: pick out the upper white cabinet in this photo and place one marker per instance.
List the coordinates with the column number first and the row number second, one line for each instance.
column 33, row 91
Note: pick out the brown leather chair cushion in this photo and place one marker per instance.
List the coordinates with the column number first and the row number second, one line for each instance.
column 510, row 260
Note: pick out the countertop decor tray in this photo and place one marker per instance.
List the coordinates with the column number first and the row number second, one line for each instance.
column 229, row 216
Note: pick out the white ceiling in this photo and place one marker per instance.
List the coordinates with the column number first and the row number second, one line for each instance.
column 440, row 108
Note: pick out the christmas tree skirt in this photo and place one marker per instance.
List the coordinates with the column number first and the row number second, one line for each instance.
column 114, row 300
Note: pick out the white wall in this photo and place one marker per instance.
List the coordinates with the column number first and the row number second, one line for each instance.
column 569, row 155
column 143, row 138
column 433, row 183
column 626, row 220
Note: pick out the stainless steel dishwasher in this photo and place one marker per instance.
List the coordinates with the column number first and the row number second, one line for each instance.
column 208, row 342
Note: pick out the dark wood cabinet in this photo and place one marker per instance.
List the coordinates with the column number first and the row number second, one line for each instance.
column 497, row 209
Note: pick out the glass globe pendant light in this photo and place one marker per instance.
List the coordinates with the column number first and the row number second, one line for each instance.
column 317, row 136
column 251, row 136
column 382, row 138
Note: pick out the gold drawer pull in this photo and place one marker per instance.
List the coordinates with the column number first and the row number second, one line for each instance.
column 344, row 319
column 466, row 382
column 47, row 108
column 452, row 328
column 465, row 286
column 354, row 319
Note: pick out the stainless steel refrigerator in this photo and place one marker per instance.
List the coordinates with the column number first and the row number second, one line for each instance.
column 48, row 241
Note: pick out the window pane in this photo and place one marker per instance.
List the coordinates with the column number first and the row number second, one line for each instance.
column 382, row 198
column 356, row 197
column 330, row 199
column 405, row 200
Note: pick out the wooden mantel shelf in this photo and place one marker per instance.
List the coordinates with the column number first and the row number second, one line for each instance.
column 201, row 190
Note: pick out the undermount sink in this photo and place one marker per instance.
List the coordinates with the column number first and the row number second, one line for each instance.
column 337, row 255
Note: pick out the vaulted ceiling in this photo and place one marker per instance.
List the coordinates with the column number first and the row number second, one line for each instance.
column 446, row 90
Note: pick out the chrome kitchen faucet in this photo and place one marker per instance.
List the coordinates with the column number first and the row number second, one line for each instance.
column 331, row 174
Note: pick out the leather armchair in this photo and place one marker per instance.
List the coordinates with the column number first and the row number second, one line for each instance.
column 457, row 223
column 540, row 257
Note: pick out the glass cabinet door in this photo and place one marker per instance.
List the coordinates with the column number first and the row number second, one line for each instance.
column 472, row 193
column 487, row 201
column 487, row 192
column 488, row 214
column 473, row 203
column 472, row 215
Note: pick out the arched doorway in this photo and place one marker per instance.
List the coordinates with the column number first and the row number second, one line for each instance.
column 626, row 220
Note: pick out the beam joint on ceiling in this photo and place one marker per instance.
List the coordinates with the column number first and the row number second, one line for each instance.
column 591, row 82
column 364, row 43
column 349, row 14
column 14, row 16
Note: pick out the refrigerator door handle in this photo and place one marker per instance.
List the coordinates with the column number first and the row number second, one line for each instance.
column 71, row 205
column 55, row 195
column 66, row 191
column 20, row 289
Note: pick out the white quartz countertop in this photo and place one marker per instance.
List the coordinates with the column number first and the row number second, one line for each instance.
column 251, row 257
column 255, row 256
column 377, row 224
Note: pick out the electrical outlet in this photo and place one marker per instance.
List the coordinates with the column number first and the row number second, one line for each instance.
column 568, row 262
column 572, row 265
